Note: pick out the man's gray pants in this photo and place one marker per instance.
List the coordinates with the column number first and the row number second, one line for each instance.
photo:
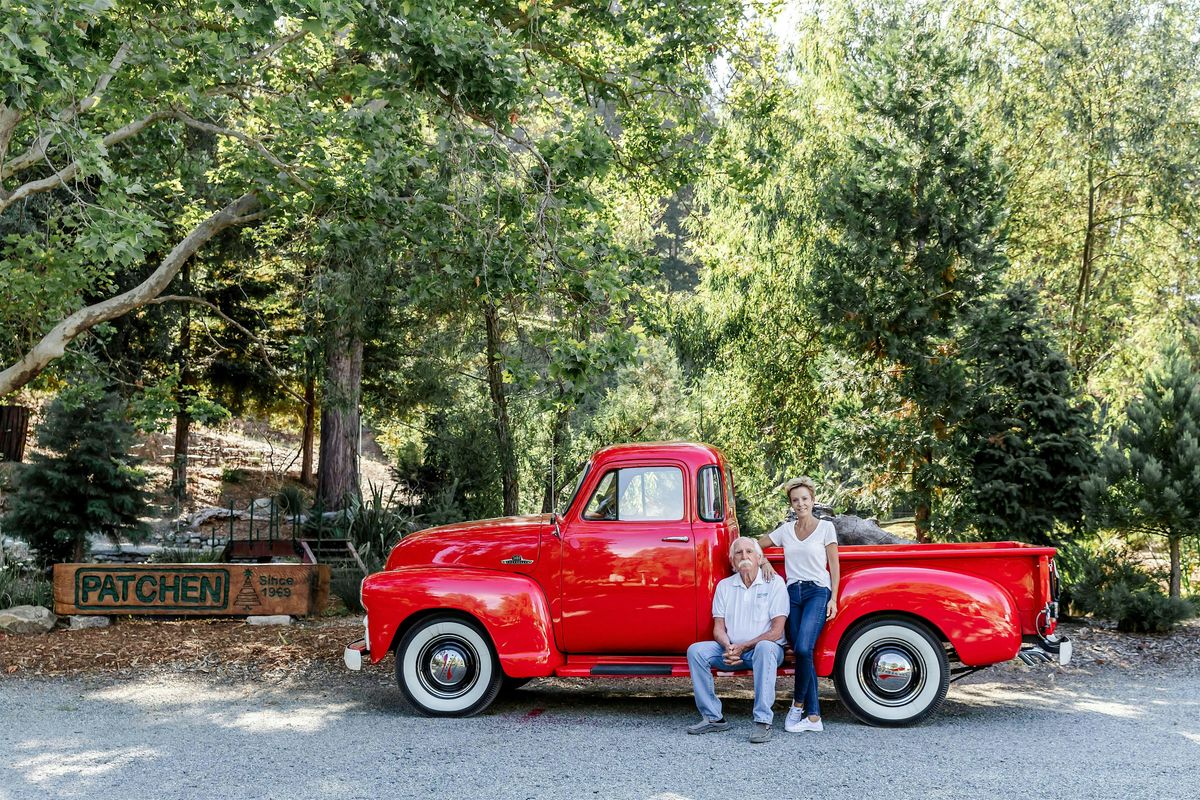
column 764, row 659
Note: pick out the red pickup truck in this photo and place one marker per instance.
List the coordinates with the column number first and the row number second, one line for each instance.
column 622, row 582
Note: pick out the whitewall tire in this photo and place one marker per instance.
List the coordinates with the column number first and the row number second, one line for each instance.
column 891, row 672
column 447, row 667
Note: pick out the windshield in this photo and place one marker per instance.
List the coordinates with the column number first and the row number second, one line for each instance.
column 583, row 469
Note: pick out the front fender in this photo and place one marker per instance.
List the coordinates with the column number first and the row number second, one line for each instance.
column 511, row 608
column 978, row 616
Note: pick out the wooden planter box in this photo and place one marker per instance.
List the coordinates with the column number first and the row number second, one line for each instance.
column 191, row 589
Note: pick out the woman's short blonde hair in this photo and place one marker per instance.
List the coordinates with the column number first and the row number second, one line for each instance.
column 795, row 483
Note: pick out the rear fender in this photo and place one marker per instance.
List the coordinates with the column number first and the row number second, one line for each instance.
column 511, row 608
column 977, row 616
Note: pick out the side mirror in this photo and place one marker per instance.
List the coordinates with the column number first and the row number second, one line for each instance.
column 554, row 522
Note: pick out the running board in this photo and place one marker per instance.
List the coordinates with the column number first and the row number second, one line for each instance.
column 631, row 669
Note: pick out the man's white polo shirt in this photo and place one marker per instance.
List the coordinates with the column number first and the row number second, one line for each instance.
column 748, row 610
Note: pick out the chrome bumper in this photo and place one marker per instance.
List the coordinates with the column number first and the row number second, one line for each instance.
column 353, row 654
column 1047, row 650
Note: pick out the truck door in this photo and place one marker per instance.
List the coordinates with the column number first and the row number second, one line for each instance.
column 629, row 564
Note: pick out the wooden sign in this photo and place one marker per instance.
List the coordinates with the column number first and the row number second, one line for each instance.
column 190, row 589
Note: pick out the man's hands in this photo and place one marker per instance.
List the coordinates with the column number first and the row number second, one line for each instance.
column 831, row 609
column 733, row 653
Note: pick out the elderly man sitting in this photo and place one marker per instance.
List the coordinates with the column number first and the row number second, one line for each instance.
column 749, row 614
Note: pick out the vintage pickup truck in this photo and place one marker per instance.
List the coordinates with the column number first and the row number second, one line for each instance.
column 622, row 581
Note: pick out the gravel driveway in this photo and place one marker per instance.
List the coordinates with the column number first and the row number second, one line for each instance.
column 1008, row 731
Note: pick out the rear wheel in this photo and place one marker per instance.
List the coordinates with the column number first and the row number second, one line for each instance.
column 446, row 667
column 892, row 672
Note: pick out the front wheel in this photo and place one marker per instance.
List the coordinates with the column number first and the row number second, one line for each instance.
column 891, row 672
column 446, row 667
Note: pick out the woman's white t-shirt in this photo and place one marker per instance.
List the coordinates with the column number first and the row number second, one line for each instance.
column 805, row 560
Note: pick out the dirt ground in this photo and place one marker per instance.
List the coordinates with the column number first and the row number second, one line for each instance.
column 145, row 646
column 230, row 647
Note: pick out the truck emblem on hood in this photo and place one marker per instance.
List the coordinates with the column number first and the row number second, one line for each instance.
column 517, row 560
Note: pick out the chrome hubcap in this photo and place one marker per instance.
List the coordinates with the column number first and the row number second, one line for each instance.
column 448, row 666
column 891, row 671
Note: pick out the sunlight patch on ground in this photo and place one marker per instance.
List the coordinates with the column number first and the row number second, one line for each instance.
column 990, row 694
column 301, row 720
column 52, row 766
column 162, row 694
column 1109, row 708
column 1191, row 737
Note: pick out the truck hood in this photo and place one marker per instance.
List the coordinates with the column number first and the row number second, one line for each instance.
column 508, row 544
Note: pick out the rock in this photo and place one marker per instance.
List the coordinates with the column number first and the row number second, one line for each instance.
column 272, row 619
column 79, row 622
column 27, row 619
column 262, row 504
column 852, row 529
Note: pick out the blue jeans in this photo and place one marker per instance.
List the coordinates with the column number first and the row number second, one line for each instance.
column 764, row 659
column 806, row 618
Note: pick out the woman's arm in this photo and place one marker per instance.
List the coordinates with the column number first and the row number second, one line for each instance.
column 835, row 578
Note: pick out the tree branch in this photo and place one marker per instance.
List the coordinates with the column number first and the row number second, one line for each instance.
column 245, row 139
column 9, row 117
column 37, row 151
column 71, row 170
column 54, row 344
column 180, row 298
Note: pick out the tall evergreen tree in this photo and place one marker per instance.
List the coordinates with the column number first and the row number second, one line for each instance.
column 1028, row 441
column 90, row 485
column 915, row 217
column 1149, row 476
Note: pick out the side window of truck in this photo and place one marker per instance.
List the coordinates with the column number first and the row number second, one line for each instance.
column 639, row 494
column 710, row 495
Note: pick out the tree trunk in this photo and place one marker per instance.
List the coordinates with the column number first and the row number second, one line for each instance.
column 924, row 493
column 1176, row 564
column 508, row 459
column 337, row 472
column 14, row 430
column 310, row 427
column 555, row 476
column 183, row 396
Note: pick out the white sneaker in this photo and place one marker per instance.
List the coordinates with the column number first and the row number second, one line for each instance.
column 808, row 725
column 794, row 717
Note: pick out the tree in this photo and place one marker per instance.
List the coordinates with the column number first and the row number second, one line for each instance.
column 1149, row 476
column 1093, row 105
column 1027, row 444
column 915, row 218
column 91, row 485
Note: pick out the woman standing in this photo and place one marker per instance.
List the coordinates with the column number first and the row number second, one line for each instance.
column 810, row 558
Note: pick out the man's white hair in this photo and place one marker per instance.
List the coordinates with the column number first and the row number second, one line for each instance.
column 733, row 546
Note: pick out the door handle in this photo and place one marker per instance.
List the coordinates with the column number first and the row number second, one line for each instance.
column 675, row 538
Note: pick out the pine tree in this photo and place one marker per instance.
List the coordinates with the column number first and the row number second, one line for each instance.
column 90, row 485
column 1028, row 441
column 915, row 213
column 1149, row 477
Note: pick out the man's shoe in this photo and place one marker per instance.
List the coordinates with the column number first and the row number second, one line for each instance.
column 794, row 716
column 761, row 733
column 708, row 726
column 808, row 725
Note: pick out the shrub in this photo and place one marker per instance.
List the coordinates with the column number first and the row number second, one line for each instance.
column 1109, row 584
column 21, row 587
column 91, row 484
column 186, row 555
column 374, row 524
